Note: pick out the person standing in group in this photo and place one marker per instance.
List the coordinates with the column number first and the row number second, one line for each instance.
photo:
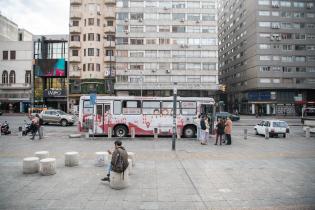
column 228, row 131
column 203, row 129
column 197, row 123
column 207, row 135
column 220, row 131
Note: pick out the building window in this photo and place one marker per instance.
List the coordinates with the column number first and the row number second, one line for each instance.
column 75, row 38
column 84, row 67
column 98, row 37
column 110, row 23
column 28, row 77
column 75, row 52
column 91, row 67
column 90, row 37
column 5, row 55
column 75, row 23
column 91, row 21
column 90, row 51
column 98, row 22
column 12, row 55
column 98, row 67
column 4, row 77
column 12, row 77
column 109, row 53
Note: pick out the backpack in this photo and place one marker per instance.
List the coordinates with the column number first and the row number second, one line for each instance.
column 203, row 124
column 120, row 165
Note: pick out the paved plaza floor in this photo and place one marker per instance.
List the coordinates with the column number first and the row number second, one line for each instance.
column 255, row 173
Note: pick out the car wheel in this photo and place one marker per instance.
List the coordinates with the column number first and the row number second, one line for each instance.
column 121, row 131
column 64, row 123
column 256, row 133
column 284, row 135
column 189, row 132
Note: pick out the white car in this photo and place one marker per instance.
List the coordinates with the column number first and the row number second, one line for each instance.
column 275, row 127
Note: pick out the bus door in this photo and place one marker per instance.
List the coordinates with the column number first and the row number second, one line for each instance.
column 209, row 110
column 102, row 118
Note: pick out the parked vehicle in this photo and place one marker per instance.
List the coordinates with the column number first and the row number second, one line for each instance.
column 233, row 117
column 57, row 116
column 27, row 128
column 275, row 127
column 144, row 115
column 308, row 118
column 5, row 128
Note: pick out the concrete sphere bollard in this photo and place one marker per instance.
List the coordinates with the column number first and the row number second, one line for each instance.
column 129, row 169
column 101, row 158
column 71, row 159
column 132, row 156
column 30, row 165
column 47, row 166
column 119, row 180
column 42, row 154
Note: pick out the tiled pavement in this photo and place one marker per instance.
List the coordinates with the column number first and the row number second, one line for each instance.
column 258, row 174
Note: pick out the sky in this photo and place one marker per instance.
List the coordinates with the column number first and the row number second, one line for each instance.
column 40, row 17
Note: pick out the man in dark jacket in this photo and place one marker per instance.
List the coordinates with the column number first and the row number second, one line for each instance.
column 119, row 162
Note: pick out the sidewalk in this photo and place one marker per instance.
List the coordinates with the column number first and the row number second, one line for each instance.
column 256, row 174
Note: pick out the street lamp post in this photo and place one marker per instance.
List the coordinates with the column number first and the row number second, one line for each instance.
column 174, row 116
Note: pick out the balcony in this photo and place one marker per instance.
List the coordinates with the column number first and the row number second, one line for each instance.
column 109, row 29
column 75, row 44
column 15, row 96
column 75, row 59
column 75, row 29
column 109, row 58
column 109, row 43
column 110, row 13
column 110, row 1
column 75, row 14
column 75, row 2
column 15, row 86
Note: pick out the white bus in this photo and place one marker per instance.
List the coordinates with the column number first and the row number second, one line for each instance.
column 147, row 115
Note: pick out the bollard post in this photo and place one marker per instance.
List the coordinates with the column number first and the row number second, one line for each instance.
column 308, row 132
column 133, row 132
column 266, row 133
column 87, row 135
column 178, row 133
column 245, row 133
column 20, row 131
column 155, row 132
column 110, row 133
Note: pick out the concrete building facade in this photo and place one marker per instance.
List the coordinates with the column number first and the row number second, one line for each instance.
column 143, row 48
column 16, row 49
column 267, row 55
column 160, row 44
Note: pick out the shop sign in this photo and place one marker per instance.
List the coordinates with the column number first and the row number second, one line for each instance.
column 54, row 93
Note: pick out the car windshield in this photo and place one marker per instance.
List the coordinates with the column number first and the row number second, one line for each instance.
column 280, row 124
column 61, row 112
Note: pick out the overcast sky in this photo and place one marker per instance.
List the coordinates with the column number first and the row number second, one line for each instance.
column 38, row 16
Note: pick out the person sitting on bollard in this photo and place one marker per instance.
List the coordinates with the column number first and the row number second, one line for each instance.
column 35, row 126
column 119, row 162
column 220, row 131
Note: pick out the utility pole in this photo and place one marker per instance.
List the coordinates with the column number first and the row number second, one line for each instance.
column 174, row 116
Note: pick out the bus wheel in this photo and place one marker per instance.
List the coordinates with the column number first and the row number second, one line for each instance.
column 189, row 132
column 121, row 131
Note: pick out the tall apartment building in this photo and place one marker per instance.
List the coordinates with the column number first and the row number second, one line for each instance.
column 160, row 43
column 91, row 48
column 148, row 46
column 267, row 54
column 16, row 49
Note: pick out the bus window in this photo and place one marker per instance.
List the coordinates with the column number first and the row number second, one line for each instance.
column 189, row 108
column 87, row 107
column 309, row 113
column 117, row 107
column 167, row 108
column 151, row 107
column 131, row 107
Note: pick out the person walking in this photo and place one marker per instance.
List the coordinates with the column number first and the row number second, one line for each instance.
column 119, row 162
column 203, row 129
column 228, row 131
column 220, row 131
